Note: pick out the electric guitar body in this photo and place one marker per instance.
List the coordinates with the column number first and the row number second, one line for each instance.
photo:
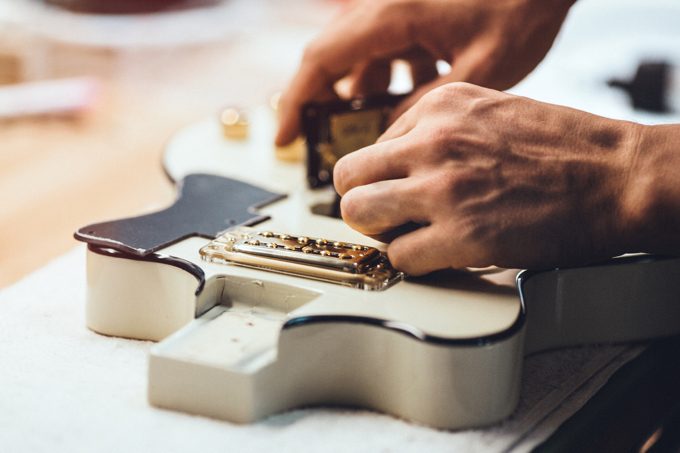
column 262, row 303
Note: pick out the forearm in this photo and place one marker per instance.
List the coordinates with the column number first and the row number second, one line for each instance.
column 652, row 196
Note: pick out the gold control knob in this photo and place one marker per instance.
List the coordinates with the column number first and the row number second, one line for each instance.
column 234, row 123
column 295, row 152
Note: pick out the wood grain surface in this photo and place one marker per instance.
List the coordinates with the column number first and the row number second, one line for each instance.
column 57, row 174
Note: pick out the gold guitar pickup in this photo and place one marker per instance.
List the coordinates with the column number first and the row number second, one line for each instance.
column 354, row 265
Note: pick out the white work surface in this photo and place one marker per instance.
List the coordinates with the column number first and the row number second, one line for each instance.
column 64, row 388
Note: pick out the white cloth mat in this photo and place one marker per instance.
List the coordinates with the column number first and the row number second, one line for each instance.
column 64, row 388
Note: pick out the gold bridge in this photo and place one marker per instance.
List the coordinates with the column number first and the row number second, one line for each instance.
column 354, row 265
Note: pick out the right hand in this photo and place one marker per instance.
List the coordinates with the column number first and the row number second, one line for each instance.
column 497, row 179
column 489, row 43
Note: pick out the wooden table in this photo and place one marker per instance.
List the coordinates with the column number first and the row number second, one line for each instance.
column 57, row 174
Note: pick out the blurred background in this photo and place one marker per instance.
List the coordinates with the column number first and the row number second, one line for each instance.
column 110, row 82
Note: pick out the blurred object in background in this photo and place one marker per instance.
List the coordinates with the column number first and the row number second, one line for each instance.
column 156, row 73
column 29, row 89
column 65, row 97
column 10, row 67
column 601, row 40
column 128, row 6
column 655, row 87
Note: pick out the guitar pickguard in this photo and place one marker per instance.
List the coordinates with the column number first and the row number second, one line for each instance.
column 206, row 205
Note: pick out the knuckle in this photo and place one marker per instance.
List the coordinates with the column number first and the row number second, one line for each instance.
column 442, row 137
column 432, row 97
column 460, row 89
column 449, row 182
column 450, row 97
column 482, row 107
column 441, row 140
column 450, row 93
column 480, row 235
column 447, row 189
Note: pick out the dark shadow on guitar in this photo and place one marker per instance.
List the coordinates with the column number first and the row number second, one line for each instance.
column 470, row 280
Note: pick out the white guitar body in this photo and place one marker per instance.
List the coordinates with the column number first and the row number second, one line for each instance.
column 240, row 343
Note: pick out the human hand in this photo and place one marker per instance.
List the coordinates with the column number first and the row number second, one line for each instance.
column 489, row 43
column 494, row 179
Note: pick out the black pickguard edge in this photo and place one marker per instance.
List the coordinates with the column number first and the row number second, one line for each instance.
column 205, row 206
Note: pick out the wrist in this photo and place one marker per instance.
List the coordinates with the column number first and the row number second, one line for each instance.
column 650, row 205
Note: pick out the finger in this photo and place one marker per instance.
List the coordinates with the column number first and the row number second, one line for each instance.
column 419, row 252
column 371, row 78
column 371, row 164
column 383, row 206
column 290, row 105
column 355, row 37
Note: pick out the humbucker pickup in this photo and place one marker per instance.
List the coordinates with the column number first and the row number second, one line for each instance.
column 354, row 265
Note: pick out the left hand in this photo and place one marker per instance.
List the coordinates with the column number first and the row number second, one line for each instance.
column 494, row 179
column 489, row 43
